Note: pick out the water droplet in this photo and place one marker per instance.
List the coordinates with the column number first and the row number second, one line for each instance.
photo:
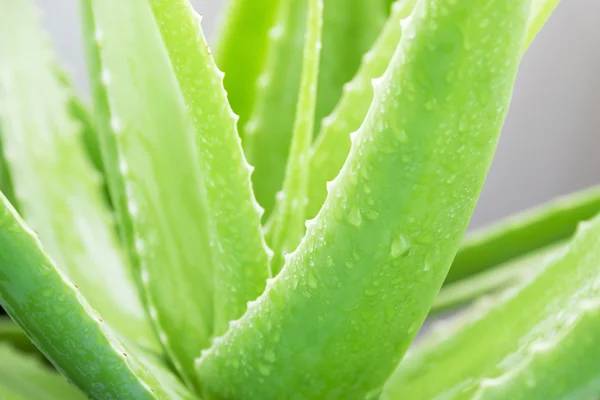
column 400, row 247
column 311, row 280
column 264, row 369
column 354, row 217
column 270, row 355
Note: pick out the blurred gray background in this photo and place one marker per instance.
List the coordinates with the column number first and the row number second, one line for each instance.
column 550, row 142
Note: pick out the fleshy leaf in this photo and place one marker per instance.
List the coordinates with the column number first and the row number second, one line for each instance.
column 58, row 191
column 348, row 31
column 59, row 321
column 539, row 14
column 286, row 226
column 333, row 142
column 149, row 153
column 342, row 312
column 244, row 36
column 6, row 185
column 523, row 233
column 23, row 377
column 241, row 258
column 350, row 28
column 500, row 278
column 539, row 343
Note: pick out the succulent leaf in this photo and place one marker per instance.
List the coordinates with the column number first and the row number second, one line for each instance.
column 58, row 191
column 241, row 265
column 523, row 233
column 348, row 31
column 286, row 226
column 149, row 152
column 62, row 325
column 333, row 142
column 543, row 344
column 244, row 36
column 350, row 299
column 11, row 333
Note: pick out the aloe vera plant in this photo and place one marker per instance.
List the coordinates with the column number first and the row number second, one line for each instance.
column 142, row 257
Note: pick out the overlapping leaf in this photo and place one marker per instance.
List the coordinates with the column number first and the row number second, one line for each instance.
column 342, row 312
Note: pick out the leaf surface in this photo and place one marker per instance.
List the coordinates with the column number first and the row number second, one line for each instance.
column 62, row 325
column 156, row 183
column 345, row 307
column 333, row 142
column 241, row 259
column 539, row 343
column 286, row 226
column 58, row 191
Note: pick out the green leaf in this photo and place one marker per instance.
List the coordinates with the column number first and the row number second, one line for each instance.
column 349, row 301
column 350, row 28
column 539, row 14
column 348, row 31
column 500, row 278
column 241, row 257
column 537, row 344
column 333, row 142
column 80, row 112
column 6, row 185
column 267, row 134
column 58, row 191
column 331, row 148
column 286, row 226
column 149, row 152
column 523, row 233
column 244, row 36
column 23, row 377
column 59, row 321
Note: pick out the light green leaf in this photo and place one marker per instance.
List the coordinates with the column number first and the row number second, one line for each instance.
column 156, row 183
column 523, row 233
column 500, row 278
column 349, row 301
column 6, row 185
column 539, row 14
column 349, row 29
column 58, row 191
column 244, row 36
column 286, row 226
column 23, row 377
column 59, row 321
column 539, row 343
column 333, row 143
column 241, row 257
column 267, row 134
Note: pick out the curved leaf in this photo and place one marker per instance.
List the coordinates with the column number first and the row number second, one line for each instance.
column 58, row 191
column 524, row 232
column 348, row 302
column 244, row 36
column 286, row 226
column 60, row 322
column 149, row 153
column 349, row 28
column 241, row 259
column 333, row 144
column 538, row 343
